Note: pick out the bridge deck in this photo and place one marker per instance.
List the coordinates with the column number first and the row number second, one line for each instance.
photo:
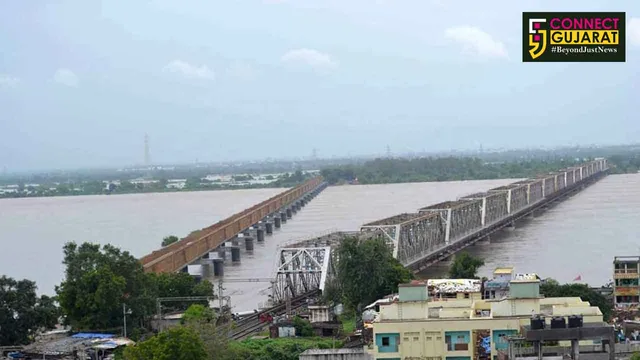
column 179, row 254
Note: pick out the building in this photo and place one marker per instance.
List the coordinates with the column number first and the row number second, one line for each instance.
column 626, row 288
column 462, row 327
column 498, row 286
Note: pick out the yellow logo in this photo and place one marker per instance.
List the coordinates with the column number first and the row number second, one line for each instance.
column 537, row 38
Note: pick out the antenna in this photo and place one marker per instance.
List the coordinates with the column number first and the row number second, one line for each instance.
column 147, row 154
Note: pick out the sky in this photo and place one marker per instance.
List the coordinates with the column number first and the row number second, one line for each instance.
column 81, row 82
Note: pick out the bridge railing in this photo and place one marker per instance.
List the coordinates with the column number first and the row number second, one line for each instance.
column 177, row 255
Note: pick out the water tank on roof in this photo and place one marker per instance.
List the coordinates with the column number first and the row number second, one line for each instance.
column 537, row 322
column 558, row 322
column 575, row 321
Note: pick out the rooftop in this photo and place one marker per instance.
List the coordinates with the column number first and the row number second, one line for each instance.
column 503, row 271
column 452, row 286
column 526, row 278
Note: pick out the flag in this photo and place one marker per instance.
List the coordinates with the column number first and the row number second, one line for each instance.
column 578, row 278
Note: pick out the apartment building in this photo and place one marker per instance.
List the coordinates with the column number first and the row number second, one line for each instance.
column 418, row 326
column 626, row 276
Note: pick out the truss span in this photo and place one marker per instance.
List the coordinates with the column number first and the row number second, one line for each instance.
column 300, row 270
column 436, row 229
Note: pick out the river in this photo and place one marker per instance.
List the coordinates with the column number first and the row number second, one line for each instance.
column 579, row 236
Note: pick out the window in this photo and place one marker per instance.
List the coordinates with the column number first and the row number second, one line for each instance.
column 385, row 341
column 466, row 295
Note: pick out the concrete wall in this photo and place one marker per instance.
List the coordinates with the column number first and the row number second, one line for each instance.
column 524, row 289
column 413, row 293
column 335, row 354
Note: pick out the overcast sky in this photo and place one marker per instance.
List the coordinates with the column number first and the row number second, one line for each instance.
column 81, row 81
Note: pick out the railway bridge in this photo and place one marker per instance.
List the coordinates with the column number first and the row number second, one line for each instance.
column 435, row 232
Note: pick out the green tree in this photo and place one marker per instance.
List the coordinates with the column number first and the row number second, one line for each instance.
column 197, row 313
column 366, row 271
column 465, row 266
column 168, row 240
column 22, row 313
column 551, row 288
column 303, row 327
column 98, row 281
column 178, row 343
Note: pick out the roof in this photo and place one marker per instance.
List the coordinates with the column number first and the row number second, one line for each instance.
column 449, row 286
column 532, row 277
column 503, row 271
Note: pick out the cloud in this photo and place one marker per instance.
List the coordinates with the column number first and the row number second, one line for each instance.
column 634, row 31
column 8, row 81
column 65, row 77
column 477, row 41
column 189, row 71
column 310, row 57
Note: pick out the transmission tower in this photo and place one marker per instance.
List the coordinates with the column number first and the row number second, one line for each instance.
column 147, row 154
column 314, row 154
column 388, row 151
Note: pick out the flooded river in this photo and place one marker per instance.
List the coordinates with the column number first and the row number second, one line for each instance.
column 577, row 237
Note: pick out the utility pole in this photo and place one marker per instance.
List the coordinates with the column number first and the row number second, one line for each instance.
column 124, row 318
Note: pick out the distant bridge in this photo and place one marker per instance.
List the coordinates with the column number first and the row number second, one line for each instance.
column 419, row 240
column 198, row 244
column 437, row 231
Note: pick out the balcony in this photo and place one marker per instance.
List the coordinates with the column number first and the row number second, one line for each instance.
column 630, row 290
column 626, row 274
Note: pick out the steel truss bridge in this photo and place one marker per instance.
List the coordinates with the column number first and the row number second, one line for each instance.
column 434, row 232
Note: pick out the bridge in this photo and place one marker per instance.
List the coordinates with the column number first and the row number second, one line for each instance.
column 435, row 232
column 418, row 240
column 257, row 219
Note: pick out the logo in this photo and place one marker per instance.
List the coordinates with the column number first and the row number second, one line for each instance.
column 573, row 37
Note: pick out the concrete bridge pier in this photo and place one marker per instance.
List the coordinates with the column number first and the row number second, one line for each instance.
column 207, row 267
column 289, row 214
column 218, row 267
column 277, row 222
column 283, row 217
column 293, row 208
column 260, row 235
column 248, row 243
column 235, row 254
column 236, row 240
column 269, row 226
column 222, row 254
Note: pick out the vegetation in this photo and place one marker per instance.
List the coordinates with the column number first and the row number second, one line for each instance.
column 99, row 281
column 178, row 343
column 551, row 288
column 276, row 349
column 303, row 327
column 22, row 313
column 366, row 272
column 169, row 240
column 396, row 170
column 198, row 313
column 465, row 266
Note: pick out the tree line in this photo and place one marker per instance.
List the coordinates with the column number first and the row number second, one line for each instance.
column 398, row 170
